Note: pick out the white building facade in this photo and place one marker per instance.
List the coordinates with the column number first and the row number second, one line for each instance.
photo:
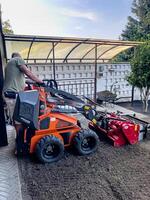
column 79, row 78
column 113, row 77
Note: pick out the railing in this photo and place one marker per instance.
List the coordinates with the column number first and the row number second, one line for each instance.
column 79, row 87
column 78, row 78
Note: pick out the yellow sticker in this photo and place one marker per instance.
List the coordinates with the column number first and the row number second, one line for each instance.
column 94, row 121
column 87, row 107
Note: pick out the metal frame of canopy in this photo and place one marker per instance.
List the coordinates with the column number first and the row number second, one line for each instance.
column 97, row 49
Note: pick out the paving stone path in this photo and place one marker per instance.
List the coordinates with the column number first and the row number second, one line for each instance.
column 10, row 188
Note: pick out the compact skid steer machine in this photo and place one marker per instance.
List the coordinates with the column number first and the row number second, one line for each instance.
column 47, row 132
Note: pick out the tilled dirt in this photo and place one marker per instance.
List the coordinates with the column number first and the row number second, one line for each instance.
column 110, row 173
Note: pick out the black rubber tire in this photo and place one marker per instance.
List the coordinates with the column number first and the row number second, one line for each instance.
column 56, row 147
column 91, row 144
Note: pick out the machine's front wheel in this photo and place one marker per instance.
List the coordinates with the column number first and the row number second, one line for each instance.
column 86, row 142
column 49, row 149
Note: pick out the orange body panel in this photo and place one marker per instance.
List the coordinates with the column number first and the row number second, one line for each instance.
column 53, row 129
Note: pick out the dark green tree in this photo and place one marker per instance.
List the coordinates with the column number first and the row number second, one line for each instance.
column 140, row 72
column 7, row 27
column 141, row 9
column 137, row 28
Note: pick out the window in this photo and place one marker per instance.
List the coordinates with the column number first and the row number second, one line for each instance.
column 100, row 74
column 50, row 68
column 101, row 68
column 68, row 67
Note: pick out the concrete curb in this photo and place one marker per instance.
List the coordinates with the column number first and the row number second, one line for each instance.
column 115, row 108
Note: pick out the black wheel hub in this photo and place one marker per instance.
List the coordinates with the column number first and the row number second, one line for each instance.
column 50, row 151
column 88, row 143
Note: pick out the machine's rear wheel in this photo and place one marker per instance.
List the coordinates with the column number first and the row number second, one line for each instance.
column 86, row 142
column 49, row 149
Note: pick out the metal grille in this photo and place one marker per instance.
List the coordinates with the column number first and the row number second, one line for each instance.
column 78, row 87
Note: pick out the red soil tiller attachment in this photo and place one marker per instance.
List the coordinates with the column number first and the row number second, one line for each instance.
column 119, row 130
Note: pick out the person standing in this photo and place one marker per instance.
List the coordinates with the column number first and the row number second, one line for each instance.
column 14, row 82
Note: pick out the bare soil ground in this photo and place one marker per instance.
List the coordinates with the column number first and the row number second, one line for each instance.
column 109, row 174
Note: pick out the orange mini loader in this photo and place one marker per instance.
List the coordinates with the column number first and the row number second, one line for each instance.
column 47, row 132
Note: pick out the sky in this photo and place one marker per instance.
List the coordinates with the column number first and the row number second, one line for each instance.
column 103, row 19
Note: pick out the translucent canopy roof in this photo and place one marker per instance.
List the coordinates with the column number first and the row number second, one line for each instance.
column 60, row 49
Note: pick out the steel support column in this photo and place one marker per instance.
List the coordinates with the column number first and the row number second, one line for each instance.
column 95, row 78
column 54, row 71
column 3, row 133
